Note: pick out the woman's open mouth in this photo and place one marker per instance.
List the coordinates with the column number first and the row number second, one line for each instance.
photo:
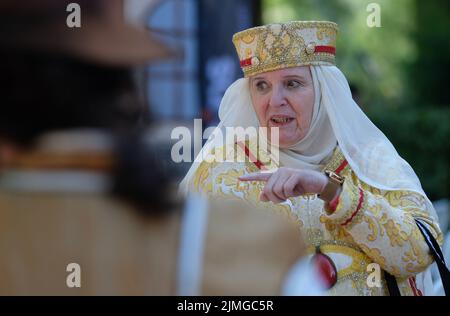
column 281, row 120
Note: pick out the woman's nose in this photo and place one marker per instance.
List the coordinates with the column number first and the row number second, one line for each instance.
column 277, row 98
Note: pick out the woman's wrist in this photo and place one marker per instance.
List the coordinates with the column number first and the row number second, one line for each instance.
column 331, row 205
column 330, row 190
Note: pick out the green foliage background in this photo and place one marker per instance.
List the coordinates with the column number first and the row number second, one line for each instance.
column 400, row 72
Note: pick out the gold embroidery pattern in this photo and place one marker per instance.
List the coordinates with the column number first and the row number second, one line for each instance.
column 352, row 194
column 383, row 230
column 396, row 235
column 335, row 229
column 336, row 161
column 359, row 217
column 278, row 46
column 201, row 182
column 375, row 254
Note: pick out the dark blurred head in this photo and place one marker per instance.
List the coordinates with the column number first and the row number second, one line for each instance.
column 144, row 176
column 45, row 93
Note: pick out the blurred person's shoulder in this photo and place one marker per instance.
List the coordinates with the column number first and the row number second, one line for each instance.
column 248, row 250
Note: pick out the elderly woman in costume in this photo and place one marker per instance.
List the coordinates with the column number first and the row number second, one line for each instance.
column 354, row 198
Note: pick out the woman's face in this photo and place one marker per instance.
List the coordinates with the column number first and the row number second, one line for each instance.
column 285, row 99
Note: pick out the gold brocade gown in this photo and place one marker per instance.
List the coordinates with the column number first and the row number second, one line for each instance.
column 368, row 226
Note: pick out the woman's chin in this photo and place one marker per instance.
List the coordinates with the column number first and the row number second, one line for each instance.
column 285, row 145
column 286, row 142
column 286, row 137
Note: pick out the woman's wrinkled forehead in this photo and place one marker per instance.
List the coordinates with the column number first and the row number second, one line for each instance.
column 303, row 72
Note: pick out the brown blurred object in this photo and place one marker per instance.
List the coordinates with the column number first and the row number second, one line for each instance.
column 104, row 37
column 247, row 252
column 99, row 161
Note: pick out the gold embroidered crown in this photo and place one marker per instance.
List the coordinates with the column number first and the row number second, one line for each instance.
column 284, row 45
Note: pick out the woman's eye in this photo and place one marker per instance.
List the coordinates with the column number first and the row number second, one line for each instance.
column 261, row 86
column 292, row 84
